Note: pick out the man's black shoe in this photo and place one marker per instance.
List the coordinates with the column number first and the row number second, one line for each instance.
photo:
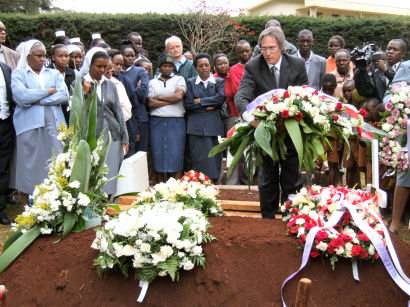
column 4, row 219
column 14, row 200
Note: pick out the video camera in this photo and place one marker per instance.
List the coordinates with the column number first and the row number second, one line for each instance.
column 363, row 57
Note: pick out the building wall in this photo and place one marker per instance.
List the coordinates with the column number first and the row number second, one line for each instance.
column 325, row 8
column 278, row 8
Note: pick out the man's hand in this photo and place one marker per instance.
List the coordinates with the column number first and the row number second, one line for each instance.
column 197, row 100
column 139, row 83
column 380, row 65
column 125, row 148
column 210, row 108
column 254, row 123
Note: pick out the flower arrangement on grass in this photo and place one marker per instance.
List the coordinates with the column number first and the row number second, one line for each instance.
column 394, row 123
column 193, row 189
column 154, row 239
column 71, row 196
column 308, row 116
column 313, row 207
column 61, row 192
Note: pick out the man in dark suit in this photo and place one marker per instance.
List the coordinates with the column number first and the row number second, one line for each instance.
column 7, row 136
column 273, row 69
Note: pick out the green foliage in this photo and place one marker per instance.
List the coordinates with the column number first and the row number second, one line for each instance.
column 17, row 247
column 155, row 28
column 171, row 267
column 25, row 6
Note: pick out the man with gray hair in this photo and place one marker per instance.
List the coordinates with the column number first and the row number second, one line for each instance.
column 270, row 70
column 289, row 47
column 183, row 66
column 7, row 56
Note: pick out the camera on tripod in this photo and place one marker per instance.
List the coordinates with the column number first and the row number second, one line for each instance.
column 363, row 57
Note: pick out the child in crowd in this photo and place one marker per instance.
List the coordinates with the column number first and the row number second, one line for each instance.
column 351, row 163
column 147, row 65
column 328, row 87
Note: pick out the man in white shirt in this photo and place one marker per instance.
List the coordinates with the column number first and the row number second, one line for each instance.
column 7, row 55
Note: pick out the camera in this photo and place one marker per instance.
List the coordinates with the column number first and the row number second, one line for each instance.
column 364, row 56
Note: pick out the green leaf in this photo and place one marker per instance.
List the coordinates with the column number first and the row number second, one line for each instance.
column 92, row 124
column 80, row 225
column 14, row 236
column 70, row 218
column 317, row 146
column 263, row 137
column 106, row 148
column 306, row 128
column 292, row 126
column 17, row 247
column 239, row 152
column 115, row 207
column 220, row 147
column 82, row 166
column 77, row 100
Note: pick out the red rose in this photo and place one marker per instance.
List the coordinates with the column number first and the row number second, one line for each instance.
column 314, row 253
column 339, row 106
column 288, row 205
column 302, row 239
column 286, row 94
column 330, row 248
column 294, row 229
column 206, row 178
column 315, row 92
column 363, row 237
column 298, row 116
column 285, row 113
column 322, row 235
column 363, row 112
column 308, row 226
column 295, row 210
column 335, row 117
column 275, row 99
column 363, row 254
column 356, row 250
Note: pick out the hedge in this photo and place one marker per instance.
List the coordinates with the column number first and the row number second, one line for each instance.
column 154, row 28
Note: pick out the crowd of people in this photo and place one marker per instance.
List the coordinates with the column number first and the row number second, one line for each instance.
column 178, row 110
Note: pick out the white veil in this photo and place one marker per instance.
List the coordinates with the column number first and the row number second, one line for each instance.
column 24, row 50
column 85, row 69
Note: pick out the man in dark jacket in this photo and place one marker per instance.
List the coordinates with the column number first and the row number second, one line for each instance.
column 7, row 137
column 273, row 69
column 375, row 85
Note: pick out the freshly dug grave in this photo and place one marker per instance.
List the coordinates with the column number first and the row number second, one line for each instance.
column 245, row 267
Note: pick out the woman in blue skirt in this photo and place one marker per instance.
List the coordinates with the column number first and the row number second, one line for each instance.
column 167, row 124
column 204, row 97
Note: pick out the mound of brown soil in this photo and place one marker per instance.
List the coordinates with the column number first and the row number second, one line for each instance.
column 245, row 267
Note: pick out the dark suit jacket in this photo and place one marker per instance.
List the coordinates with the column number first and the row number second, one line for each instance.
column 7, row 78
column 199, row 120
column 257, row 78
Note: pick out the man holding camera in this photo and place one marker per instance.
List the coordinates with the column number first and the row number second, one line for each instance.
column 376, row 83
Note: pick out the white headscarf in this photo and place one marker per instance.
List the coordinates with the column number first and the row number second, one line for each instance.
column 72, row 48
column 85, row 69
column 24, row 50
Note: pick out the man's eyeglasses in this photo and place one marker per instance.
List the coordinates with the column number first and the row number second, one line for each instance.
column 3, row 30
column 271, row 48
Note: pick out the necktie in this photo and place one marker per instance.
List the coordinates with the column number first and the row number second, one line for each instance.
column 275, row 76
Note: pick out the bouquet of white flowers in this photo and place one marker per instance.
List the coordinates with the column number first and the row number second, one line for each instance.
column 153, row 240
column 193, row 189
